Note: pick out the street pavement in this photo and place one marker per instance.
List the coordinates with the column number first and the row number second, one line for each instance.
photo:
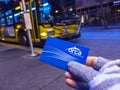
column 101, row 42
column 20, row 71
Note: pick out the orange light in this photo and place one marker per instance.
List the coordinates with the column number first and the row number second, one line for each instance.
column 118, row 10
column 18, row 26
column 17, row 8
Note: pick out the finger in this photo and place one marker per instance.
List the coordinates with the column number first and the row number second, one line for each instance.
column 75, row 84
column 68, row 75
column 82, row 72
column 90, row 60
column 109, row 65
column 71, row 83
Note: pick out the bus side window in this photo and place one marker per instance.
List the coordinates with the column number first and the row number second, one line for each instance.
column 2, row 22
column 18, row 18
column 9, row 20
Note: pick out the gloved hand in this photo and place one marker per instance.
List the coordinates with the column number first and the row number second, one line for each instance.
column 107, row 78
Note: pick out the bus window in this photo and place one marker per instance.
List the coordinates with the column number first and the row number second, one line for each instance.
column 18, row 18
column 8, row 12
column 9, row 20
column 2, row 22
column 1, row 15
column 45, row 13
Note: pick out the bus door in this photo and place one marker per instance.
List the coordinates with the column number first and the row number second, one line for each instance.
column 9, row 27
column 2, row 24
column 34, row 20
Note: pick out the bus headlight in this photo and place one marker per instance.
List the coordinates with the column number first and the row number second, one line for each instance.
column 43, row 34
column 3, row 39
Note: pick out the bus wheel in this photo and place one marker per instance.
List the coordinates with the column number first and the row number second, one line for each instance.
column 23, row 40
column 42, row 42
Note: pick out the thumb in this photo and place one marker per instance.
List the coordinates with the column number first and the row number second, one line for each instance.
column 82, row 72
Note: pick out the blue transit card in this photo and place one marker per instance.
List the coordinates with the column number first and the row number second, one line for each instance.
column 58, row 53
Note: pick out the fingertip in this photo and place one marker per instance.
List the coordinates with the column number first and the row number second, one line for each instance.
column 76, row 84
column 71, row 83
column 90, row 60
column 67, row 75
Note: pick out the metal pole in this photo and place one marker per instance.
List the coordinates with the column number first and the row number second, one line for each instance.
column 23, row 4
column 31, row 44
column 28, row 31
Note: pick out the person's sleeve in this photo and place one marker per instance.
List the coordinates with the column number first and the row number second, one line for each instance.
column 99, row 62
column 107, row 78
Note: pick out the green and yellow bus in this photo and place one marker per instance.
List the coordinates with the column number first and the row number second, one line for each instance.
column 55, row 18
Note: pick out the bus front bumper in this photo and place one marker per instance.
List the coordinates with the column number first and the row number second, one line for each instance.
column 67, row 36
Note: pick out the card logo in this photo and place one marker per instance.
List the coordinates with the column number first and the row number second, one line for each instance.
column 75, row 51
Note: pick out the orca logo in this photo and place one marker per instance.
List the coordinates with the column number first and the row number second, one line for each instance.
column 75, row 51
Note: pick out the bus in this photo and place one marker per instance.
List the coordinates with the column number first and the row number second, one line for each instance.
column 55, row 18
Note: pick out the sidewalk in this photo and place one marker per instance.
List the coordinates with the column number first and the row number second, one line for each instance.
column 20, row 71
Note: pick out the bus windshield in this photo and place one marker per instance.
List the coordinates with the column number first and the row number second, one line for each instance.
column 55, row 11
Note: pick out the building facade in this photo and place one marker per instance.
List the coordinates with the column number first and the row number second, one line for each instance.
column 94, row 11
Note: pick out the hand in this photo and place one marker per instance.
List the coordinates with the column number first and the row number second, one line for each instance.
column 83, row 77
column 74, row 83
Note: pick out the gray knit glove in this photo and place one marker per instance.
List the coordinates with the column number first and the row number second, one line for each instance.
column 106, row 78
